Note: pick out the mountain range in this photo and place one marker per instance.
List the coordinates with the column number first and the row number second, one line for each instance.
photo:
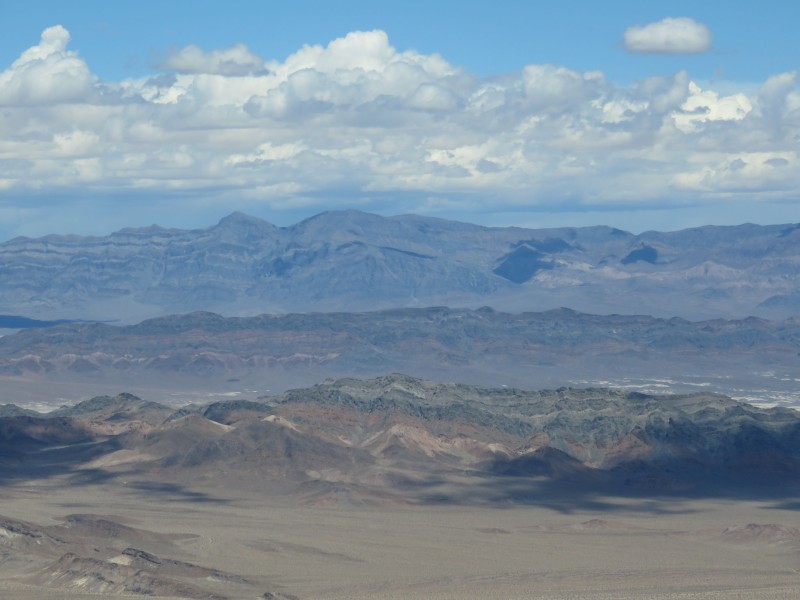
column 481, row 346
column 353, row 261
column 319, row 312
column 397, row 438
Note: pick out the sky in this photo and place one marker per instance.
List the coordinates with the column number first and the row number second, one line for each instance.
column 658, row 115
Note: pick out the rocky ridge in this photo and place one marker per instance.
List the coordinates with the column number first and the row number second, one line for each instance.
column 90, row 554
column 397, row 438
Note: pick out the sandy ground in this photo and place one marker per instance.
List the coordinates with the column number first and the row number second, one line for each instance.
column 671, row 549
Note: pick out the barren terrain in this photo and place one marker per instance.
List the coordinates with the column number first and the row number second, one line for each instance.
column 402, row 488
column 654, row 549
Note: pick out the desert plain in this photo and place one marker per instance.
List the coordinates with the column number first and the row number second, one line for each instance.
column 610, row 548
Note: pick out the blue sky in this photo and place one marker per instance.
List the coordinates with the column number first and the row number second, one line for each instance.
column 119, row 39
column 655, row 115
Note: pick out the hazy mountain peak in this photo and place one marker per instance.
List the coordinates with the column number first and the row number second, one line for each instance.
column 241, row 221
column 334, row 220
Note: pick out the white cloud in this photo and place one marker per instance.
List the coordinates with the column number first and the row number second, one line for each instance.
column 236, row 60
column 360, row 120
column 703, row 106
column 678, row 35
column 46, row 73
column 553, row 88
column 430, row 96
column 736, row 174
column 779, row 102
column 665, row 94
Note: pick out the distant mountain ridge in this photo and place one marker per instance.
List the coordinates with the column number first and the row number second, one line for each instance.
column 476, row 346
column 351, row 260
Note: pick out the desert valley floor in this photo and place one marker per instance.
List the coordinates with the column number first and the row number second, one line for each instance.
column 637, row 549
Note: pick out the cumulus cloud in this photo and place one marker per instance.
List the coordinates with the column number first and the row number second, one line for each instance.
column 46, row 73
column 702, row 106
column 673, row 35
column 360, row 120
column 236, row 60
